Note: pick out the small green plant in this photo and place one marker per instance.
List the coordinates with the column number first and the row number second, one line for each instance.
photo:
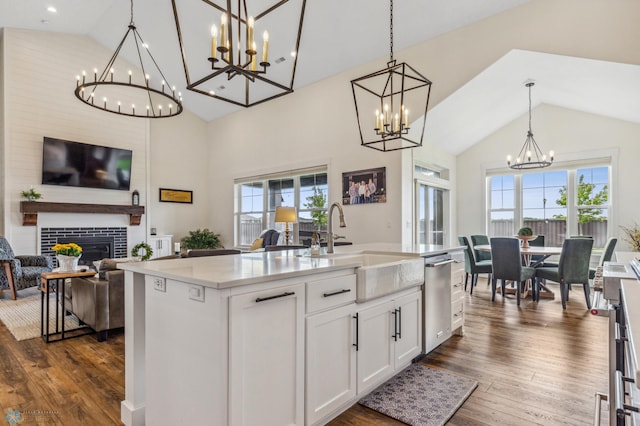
column 525, row 232
column 201, row 239
column 31, row 194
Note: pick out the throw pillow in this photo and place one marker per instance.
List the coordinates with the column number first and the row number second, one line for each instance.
column 256, row 244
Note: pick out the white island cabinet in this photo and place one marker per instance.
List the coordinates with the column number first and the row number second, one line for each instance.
column 266, row 357
column 389, row 337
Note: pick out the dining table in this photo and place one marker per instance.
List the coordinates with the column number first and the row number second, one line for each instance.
column 527, row 254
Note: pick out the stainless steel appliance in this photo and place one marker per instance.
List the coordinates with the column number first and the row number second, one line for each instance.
column 624, row 392
column 437, row 300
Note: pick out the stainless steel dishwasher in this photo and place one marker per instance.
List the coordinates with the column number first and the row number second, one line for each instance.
column 437, row 300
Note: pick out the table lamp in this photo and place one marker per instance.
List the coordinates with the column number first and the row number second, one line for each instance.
column 286, row 215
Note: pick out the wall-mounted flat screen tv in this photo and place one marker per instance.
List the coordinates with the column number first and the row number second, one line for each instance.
column 69, row 163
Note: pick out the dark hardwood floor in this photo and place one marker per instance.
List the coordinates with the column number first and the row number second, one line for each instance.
column 535, row 365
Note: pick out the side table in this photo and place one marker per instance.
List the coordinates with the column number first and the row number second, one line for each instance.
column 55, row 281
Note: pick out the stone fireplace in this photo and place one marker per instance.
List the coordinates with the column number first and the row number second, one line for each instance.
column 96, row 243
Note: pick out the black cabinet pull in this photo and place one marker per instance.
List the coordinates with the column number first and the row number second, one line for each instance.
column 285, row 294
column 399, row 322
column 346, row 290
column 357, row 326
column 395, row 325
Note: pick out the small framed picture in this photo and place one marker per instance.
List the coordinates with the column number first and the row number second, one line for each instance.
column 176, row 196
column 364, row 186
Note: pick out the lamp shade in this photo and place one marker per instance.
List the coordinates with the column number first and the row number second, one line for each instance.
column 286, row 215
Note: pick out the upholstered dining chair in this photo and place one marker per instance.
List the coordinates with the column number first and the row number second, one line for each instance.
column 507, row 265
column 607, row 254
column 471, row 266
column 479, row 240
column 20, row 271
column 573, row 268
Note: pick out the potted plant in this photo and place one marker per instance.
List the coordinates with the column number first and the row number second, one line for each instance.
column 201, row 239
column 68, row 256
column 31, row 194
column 525, row 234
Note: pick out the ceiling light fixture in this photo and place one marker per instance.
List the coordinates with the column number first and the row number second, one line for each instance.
column 234, row 57
column 393, row 93
column 530, row 151
column 140, row 93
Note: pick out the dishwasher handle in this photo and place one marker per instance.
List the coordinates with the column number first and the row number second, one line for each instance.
column 436, row 264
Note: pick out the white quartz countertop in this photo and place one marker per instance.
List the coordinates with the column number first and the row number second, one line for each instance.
column 631, row 294
column 257, row 267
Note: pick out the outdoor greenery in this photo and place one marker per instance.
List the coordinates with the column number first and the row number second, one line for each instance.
column 586, row 197
column 201, row 239
column 318, row 204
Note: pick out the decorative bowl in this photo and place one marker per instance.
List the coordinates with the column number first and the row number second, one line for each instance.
column 525, row 239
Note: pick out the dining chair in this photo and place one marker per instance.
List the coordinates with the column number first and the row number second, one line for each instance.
column 471, row 266
column 573, row 268
column 607, row 254
column 538, row 242
column 478, row 240
column 507, row 265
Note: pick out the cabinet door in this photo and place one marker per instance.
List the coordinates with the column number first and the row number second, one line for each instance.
column 408, row 324
column 266, row 357
column 331, row 361
column 375, row 350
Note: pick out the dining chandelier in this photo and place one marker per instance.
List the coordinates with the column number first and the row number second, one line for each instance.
column 142, row 92
column 530, row 156
column 253, row 51
column 386, row 100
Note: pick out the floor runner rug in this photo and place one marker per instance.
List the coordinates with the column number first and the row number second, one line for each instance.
column 420, row 396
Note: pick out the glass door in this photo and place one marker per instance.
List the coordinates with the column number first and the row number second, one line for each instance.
column 431, row 214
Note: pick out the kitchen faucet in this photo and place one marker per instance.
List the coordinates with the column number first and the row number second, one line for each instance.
column 331, row 236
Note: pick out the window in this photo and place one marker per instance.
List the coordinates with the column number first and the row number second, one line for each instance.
column 555, row 203
column 432, row 200
column 257, row 199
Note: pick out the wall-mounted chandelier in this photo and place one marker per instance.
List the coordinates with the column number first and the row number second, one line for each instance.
column 385, row 100
column 530, row 156
column 234, row 66
column 142, row 92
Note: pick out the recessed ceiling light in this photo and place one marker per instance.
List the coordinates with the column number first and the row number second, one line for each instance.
column 293, row 54
column 52, row 9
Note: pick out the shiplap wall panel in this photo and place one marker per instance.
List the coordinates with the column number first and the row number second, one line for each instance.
column 40, row 71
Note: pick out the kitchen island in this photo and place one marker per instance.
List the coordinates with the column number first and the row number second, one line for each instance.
column 263, row 338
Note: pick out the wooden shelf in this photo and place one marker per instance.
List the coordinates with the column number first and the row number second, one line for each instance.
column 30, row 210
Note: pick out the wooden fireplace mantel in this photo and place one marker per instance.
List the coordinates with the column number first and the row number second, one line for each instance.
column 30, row 210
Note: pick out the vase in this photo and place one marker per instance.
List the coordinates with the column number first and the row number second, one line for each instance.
column 68, row 263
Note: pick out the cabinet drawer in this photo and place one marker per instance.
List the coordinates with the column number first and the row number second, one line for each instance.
column 457, row 284
column 457, row 314
column 330, row 292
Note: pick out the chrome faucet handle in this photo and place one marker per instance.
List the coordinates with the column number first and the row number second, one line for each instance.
column 336, row 236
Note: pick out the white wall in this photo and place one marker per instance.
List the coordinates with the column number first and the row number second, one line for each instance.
column 317, row 123
column 40, row 70
column 572, row 135
column 3, row 160
column 179, row 155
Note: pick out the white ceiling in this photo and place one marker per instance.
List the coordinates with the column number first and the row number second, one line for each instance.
column 338, row 35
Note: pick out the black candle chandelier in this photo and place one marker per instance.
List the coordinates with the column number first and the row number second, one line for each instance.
column 392, row 95
column 143, row 92
column 235, row 69
column 530, row 156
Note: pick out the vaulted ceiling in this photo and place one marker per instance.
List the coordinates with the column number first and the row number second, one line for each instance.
column 339, row 35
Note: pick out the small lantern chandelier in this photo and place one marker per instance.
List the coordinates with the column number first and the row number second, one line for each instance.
column 235, row 69
column 134, row 96
column 530, row 156
column 393, row 93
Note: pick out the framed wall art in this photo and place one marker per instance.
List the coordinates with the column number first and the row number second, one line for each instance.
column 364, row 186
column 176, row 196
